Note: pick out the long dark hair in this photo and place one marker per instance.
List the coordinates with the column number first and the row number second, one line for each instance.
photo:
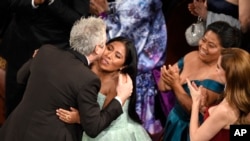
column 130, row 69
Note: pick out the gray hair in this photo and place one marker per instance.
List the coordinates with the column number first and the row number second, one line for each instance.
column 86, row 33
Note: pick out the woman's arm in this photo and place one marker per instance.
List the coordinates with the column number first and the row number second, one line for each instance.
column 208, row 129
column 216, row 121
column 174, row 81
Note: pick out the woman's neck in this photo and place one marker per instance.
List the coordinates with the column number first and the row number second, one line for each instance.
column 103, row 75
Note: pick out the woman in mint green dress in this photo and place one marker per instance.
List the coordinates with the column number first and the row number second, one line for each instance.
column 119, row 57
column 122, row 129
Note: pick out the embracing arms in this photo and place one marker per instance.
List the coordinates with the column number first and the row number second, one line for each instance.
column 216, row 121
column 92, row 118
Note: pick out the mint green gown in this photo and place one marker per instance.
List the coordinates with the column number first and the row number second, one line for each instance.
column 121, row 129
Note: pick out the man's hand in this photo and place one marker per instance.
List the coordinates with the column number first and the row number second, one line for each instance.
column 124, row 88
column 38, row 2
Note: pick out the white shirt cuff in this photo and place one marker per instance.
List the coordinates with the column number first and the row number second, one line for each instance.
column 50, row 2
column 36, row 6
column 118, row 98
column 33, row 4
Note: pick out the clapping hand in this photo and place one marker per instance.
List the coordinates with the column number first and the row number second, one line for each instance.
column 198, row 8
column 170, row 76
column 98, row 6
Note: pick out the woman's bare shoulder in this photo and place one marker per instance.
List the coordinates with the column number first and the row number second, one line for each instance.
column 213, row 75
column 225, row 111
column 191, row 56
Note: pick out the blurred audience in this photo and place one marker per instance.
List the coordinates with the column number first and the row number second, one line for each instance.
column 235, row 12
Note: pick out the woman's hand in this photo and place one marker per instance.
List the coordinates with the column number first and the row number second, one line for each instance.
column 198, row 8
column 124, row 87
column 195, row 92
column 170, row 76
column 71, row 116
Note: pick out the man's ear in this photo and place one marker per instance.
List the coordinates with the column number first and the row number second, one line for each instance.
column 97, row 49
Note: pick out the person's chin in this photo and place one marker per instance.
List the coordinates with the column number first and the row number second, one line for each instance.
column 202, row 54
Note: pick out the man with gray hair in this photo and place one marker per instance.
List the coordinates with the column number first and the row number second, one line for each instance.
column 57, row 78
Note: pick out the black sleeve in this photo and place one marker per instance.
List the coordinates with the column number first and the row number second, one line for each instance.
column 69, row 11
column 24, row 73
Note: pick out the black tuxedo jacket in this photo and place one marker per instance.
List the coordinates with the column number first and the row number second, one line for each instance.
column 57, row 78
column 30, row 28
